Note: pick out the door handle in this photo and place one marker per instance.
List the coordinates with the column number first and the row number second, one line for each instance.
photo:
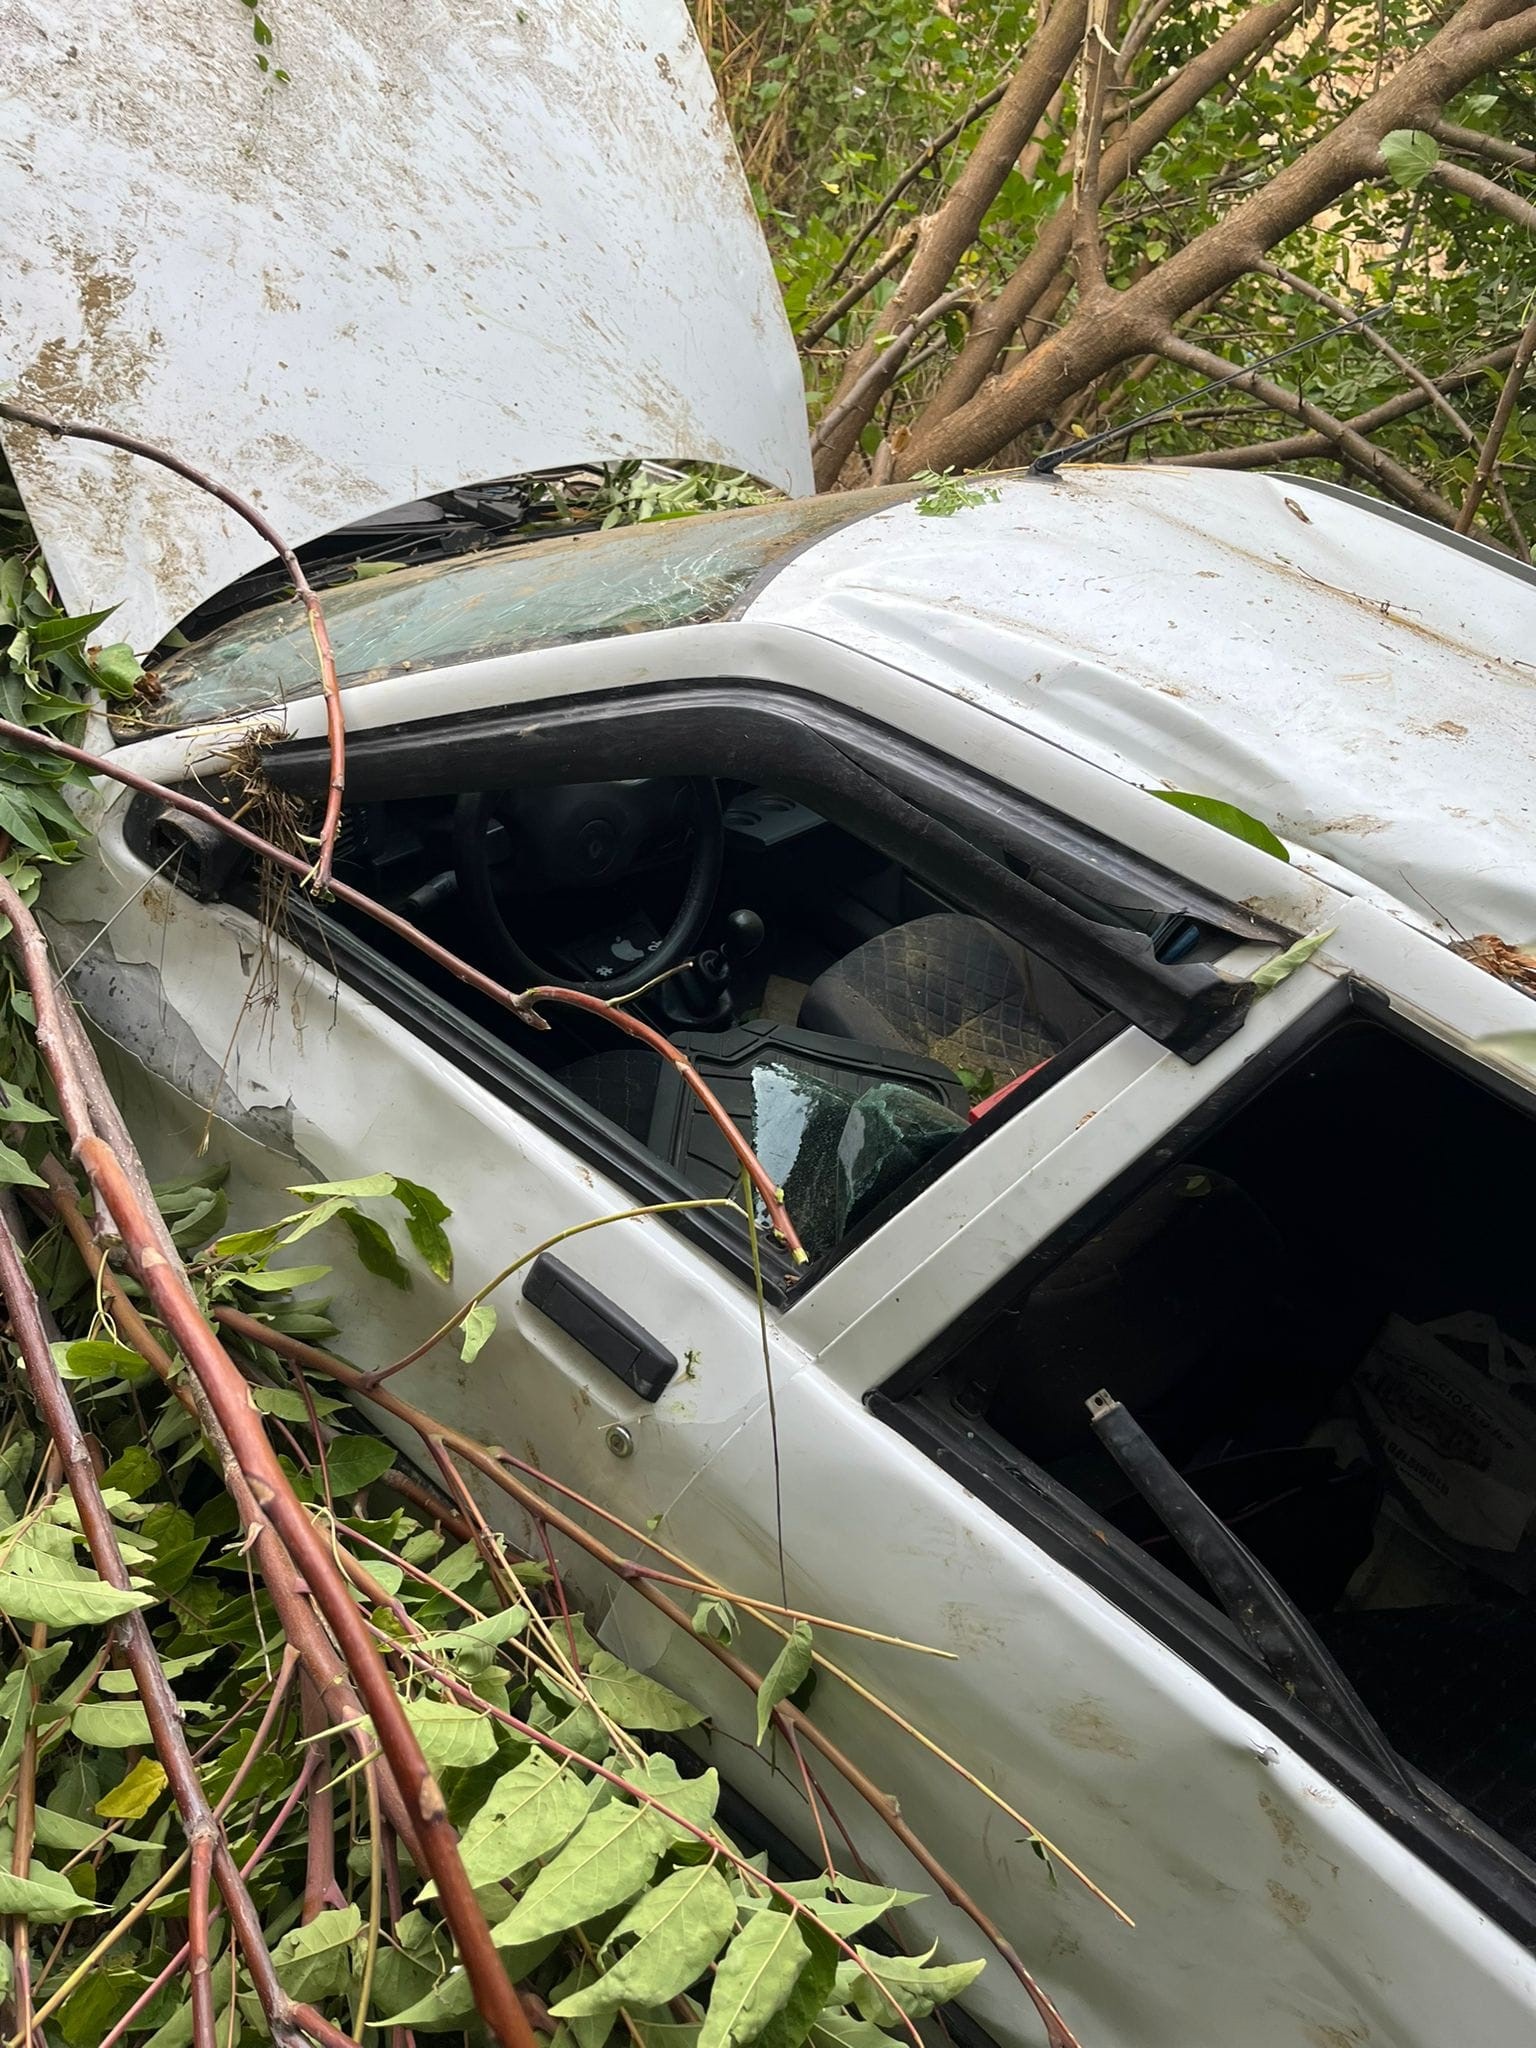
column 599, row 1326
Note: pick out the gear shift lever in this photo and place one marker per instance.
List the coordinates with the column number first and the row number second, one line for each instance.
column 701, row 995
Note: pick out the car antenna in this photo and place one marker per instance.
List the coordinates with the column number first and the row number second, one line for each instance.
column 1053, row 458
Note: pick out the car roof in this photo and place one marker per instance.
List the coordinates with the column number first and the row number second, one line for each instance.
column 1357, row 678
column 438, row 250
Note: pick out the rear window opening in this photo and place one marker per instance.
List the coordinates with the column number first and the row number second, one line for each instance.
column 1325, row 1316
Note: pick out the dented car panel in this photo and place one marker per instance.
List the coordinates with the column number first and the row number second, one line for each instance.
column 474, row 242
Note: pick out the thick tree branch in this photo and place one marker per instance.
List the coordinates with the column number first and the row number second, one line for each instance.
column 1362, row 455
column 335, row 722
column 1308, row 447
column 1478, row 37
column 1503, row 412
column 947, row 233
column 1009, row 309
column 882, row 372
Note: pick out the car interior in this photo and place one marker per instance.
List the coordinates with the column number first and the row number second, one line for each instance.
column 1324, row 1315
column 853, row 1022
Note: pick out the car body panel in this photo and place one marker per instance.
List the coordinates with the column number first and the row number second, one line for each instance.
column 1272, row 1907
column 466, row 242
column 1360, row 684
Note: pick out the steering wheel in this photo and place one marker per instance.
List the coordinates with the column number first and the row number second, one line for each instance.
column 593, row 833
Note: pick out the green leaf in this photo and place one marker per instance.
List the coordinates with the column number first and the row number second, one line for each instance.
column 860, row 1904
column 288, row 1406
column 1285, row 964
column 786, row 1674
column 716, row 1619
column 1409, row 155
column 755, row 1977
column 15, row 1172
column 679, row 1928
column 44, row 1895
column 916, row 1986
column 366, row 1187
column 446, row 2007
column 451, row 1737
column 474, row 1330
column 632, row 1701
column 111, row 1724
column 279, row 1278
column 425, row 1215
column 1213, row 810
column 376, row 1249
column 42, row 1583
column 357, row 1461
column 792, row 2023
column 315, row 1962
column 134, row 1472
column 364, row 570
column 527, row 1814
column 98, row 1358
column 51, row 635
column 117, row 669
column 15, row 1108
column 136, row 1794
column 608, row 1860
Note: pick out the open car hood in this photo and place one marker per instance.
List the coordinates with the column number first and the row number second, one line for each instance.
column 424, row 247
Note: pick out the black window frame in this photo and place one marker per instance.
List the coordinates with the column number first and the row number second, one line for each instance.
column 1454, row 1842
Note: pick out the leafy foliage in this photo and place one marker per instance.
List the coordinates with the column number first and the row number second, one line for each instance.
column 612, row 1888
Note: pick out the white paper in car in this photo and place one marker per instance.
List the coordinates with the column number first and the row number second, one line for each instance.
column 1453, row 1406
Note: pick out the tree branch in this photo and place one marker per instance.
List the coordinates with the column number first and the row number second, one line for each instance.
column 1478, row 37
column 881, row 373
column 210, row 1849
column 1473, row 185
column 166, row 1284
column 1473, row 142
column 336, row 732
column 949, row 231
column 909, row 177
column 1361, row 454
column 1488, row 454
column 1007, row 311
column 1307, row 447
column 860, row 288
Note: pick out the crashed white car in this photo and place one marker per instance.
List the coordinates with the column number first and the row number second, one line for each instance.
column 1251, row 1638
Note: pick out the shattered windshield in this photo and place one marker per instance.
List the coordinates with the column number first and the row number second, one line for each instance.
column 634, row 579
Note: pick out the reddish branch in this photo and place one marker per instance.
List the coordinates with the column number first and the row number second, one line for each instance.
column 520, row 1006
column 229, row 1397
column 335, row 723
column 210, row 1850
column 323, row 1667
column 441, row 1438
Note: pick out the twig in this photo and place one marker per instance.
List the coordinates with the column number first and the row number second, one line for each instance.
column 930, row 155
column 860, row 288
column 335, row 723
column 1498, row 427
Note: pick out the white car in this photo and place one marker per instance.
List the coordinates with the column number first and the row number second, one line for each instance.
column 891, row 775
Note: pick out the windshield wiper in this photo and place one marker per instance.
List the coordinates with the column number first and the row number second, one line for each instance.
column 1265, row 1614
